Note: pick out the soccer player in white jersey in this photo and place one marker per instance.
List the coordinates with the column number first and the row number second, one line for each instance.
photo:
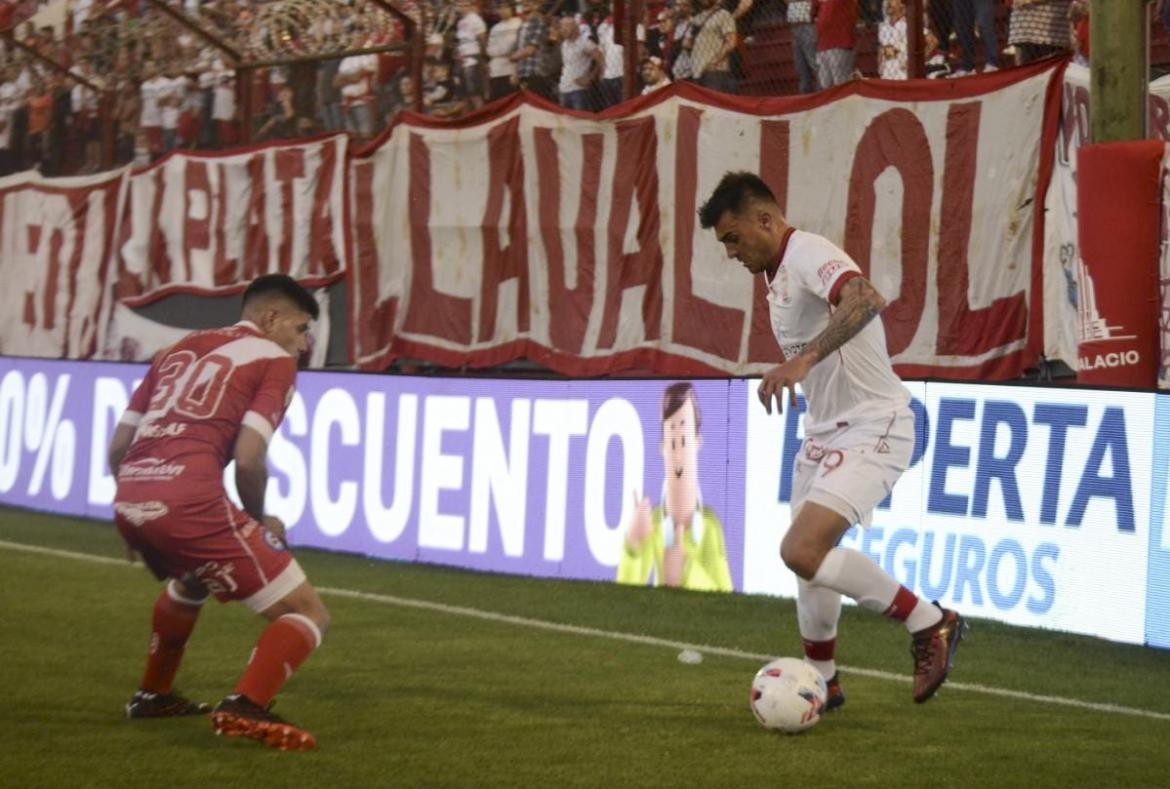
column 859, row 429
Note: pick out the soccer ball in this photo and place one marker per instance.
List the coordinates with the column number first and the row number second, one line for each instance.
column 788, row 694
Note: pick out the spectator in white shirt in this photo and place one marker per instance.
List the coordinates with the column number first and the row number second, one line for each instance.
column 501, row 44
column 170, row 106
column 580, row 64
column 191, row 110
column 892, row 42
column 150, row 119
column 80, row 12
column 612, row 67
column 223, row 104
column 470, row 32
column 355, row 77
column 8, row 104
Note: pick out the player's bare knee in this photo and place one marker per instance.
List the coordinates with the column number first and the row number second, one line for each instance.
column 321, row 616
column 800, row 556
column 309, row 604
column 303, row 601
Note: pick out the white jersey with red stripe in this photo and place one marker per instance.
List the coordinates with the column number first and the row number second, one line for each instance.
column 856, row 383
column 192, row 404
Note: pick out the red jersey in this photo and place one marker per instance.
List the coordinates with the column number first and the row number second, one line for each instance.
column 836, row 23
column 190, row 407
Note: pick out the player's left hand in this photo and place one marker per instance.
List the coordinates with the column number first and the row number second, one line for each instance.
column 780, row 377
column 276, row 526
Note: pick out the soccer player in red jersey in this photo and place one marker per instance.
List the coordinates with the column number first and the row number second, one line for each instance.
column 213, row 397
column 859, row 429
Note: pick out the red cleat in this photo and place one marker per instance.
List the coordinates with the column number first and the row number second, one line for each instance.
column 239, row 716
column 835, row 697
column 934, row 650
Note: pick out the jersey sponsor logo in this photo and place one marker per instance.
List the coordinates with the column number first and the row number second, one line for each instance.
column 153, row 469
column 829, row 270
column 156, row 430
column 140, row 512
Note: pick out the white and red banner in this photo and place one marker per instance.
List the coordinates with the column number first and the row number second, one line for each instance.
column 56, row 242
column 1119, row 201
column 1064, row 282
column 210, row 223
column 573, row 240
column 133, row 336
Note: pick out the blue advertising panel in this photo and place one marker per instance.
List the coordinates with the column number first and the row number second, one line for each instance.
column 535, row 477
column 1034, row 506
column 1022, row 504
column 1158, row 582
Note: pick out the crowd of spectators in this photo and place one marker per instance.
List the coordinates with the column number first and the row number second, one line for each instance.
column 162, row 85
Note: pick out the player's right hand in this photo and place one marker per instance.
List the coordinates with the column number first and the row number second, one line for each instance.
column 641, row 522
column 275, row 526
column 781, row 377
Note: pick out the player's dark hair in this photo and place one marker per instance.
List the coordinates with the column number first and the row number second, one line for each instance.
column 282, row 285
column 674, row 397
column 734, row 192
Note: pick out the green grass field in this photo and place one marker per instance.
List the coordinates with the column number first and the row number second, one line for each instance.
column 438, row 677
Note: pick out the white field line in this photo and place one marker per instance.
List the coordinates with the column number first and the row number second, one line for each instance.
column 634, row 638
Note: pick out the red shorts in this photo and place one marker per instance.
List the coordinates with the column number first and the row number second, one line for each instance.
column 213, row 542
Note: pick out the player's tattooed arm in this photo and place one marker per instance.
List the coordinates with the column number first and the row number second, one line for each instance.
column 859, row 303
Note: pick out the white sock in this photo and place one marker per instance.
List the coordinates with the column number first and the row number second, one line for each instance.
column 923, row 616
column 818, row 608
column 851, row 572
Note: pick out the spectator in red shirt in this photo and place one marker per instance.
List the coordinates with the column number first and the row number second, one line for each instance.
column 836, row 20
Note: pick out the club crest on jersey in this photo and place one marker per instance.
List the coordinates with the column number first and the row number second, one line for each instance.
column 273, row 541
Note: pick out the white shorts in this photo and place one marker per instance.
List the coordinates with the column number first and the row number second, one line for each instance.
column 852, row 469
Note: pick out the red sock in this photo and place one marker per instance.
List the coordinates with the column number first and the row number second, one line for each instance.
column 281, row 649
column 170, row 626
column 819, row 650
column 903, row 603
